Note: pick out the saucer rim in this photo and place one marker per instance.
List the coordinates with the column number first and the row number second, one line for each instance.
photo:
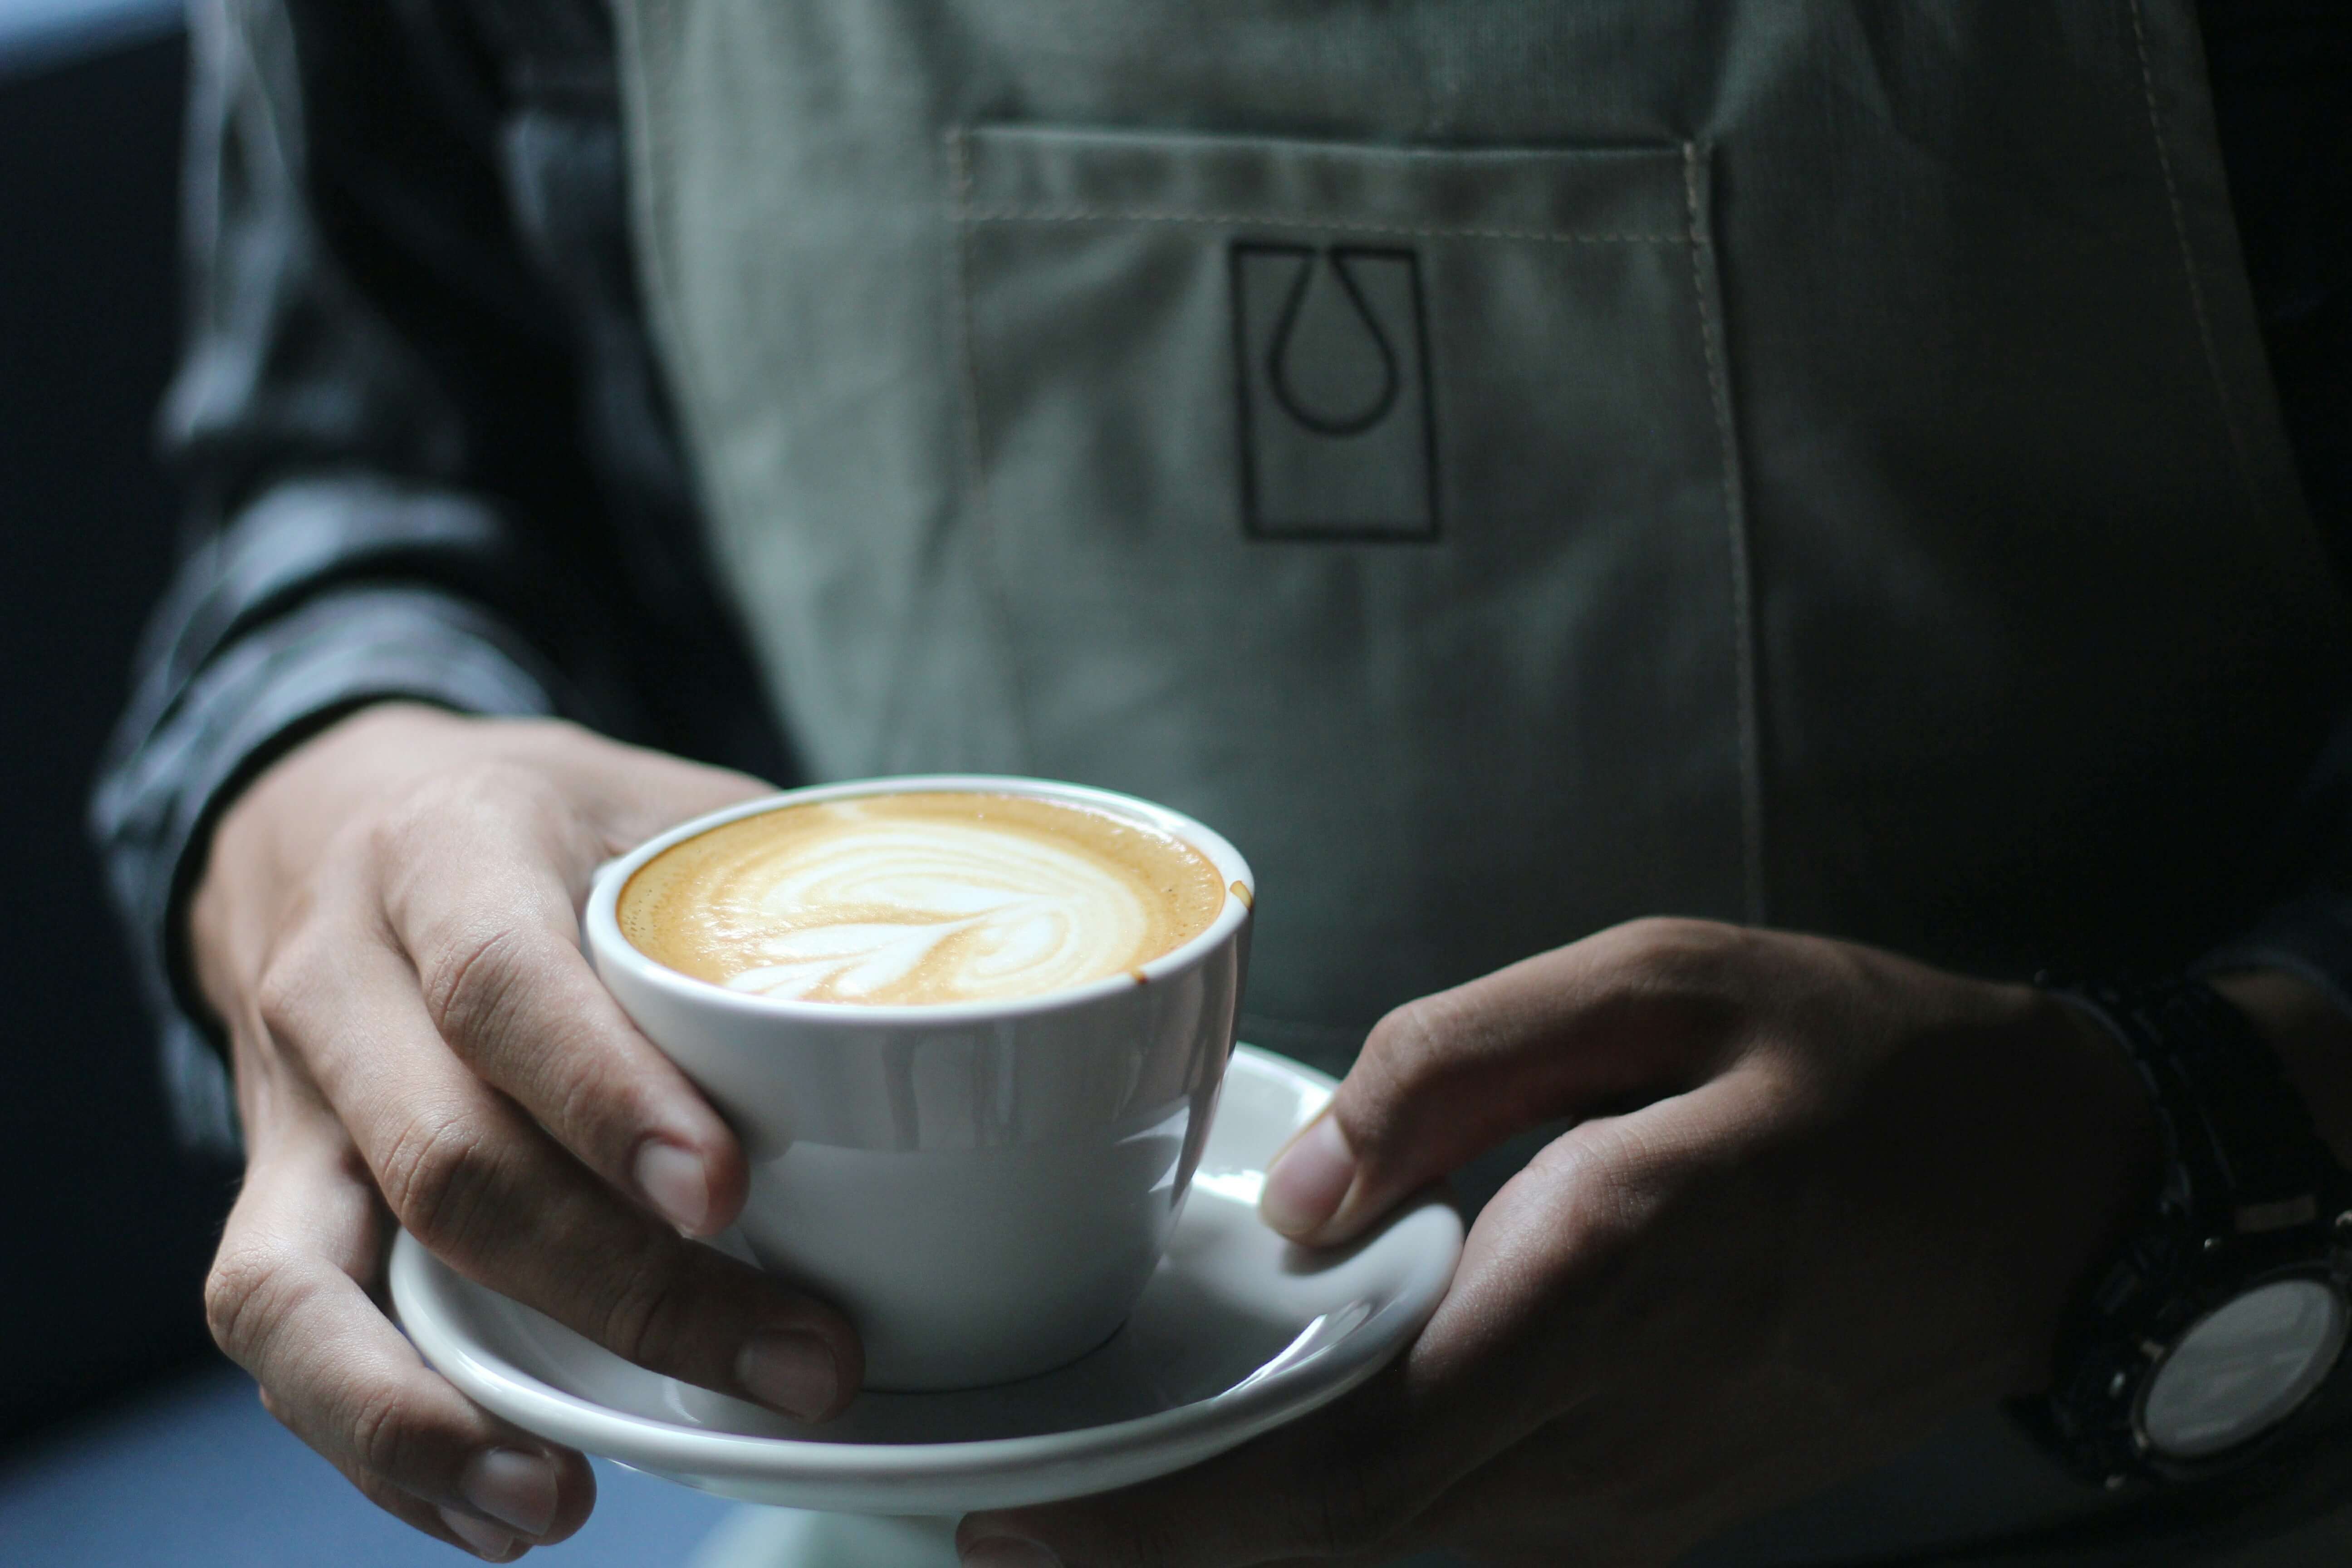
column 420, row 1285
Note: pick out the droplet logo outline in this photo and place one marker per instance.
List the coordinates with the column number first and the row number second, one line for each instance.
column 1279, row 349
column 1270, row 281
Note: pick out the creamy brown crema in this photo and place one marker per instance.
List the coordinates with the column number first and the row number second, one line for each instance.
column 919, row 898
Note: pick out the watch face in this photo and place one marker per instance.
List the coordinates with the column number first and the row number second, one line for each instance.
column 2242, row 1368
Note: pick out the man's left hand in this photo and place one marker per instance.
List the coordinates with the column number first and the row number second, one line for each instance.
column 1816, row 1199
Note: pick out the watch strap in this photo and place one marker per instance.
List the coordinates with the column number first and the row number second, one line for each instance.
column 2249, row 1193
column 2245, row 1139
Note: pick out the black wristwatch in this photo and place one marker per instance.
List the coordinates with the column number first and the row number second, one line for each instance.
column 2227, row 1311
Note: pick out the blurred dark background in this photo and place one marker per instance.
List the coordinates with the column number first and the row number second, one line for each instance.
column 107, row 1227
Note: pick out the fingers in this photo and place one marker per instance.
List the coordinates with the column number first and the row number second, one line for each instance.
column 1339, row 1484
column 474, row 840
column 478, row 886
column 1633, row 1013
column 490, row 1090
column 286, row 1300
column 655, row 792
column 1501, row 1426
column 1357, row 1481
column 485, row 1189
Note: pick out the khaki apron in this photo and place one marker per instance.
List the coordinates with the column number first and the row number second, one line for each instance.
column 1512, row 467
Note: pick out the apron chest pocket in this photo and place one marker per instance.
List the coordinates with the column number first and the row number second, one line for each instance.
column 1311, row 342
column 1361, row 472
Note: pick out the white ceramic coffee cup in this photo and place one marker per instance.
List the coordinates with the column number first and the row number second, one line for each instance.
column 984, row 1187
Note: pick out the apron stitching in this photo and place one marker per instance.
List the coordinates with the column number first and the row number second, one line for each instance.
column 651, row 68
column 2188, row 256
column 975, row 481
column 1227, row 220
column 1751, row 786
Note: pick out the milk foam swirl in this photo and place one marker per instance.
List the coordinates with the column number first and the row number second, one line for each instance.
column 919, row 898
column 969, row 911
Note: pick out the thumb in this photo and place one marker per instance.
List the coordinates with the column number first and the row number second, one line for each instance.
column 1633, row 1014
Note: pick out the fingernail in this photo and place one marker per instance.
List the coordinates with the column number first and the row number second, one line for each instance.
column 1006, row 1551
column 487, row 1539
column 1308, row 1180
column 792, row 1372
column 514, row 1487
column 674, row 1182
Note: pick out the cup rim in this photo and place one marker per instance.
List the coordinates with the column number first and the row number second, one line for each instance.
column 608, row 945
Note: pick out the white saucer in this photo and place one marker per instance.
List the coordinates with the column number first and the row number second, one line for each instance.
column 1237, row 1332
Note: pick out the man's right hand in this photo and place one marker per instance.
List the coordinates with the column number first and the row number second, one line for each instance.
column 388, row 924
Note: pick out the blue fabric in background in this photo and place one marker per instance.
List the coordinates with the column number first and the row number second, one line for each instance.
column 197, row 1475
column 35, row 34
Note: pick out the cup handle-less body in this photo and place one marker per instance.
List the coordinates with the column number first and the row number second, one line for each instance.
column 984, row 1188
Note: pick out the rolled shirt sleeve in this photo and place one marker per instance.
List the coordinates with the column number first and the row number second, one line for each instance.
column 387, row 434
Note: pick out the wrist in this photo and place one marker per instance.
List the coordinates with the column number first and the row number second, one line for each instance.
column 2114, row 1159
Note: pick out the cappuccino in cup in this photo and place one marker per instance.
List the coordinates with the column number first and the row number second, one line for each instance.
column 970, row 1031
column 920, row 899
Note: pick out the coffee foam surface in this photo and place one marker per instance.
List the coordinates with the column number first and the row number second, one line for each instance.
column 919, row 898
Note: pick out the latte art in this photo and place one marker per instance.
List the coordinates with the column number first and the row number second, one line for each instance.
column 919, row 898
column 974, row 912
